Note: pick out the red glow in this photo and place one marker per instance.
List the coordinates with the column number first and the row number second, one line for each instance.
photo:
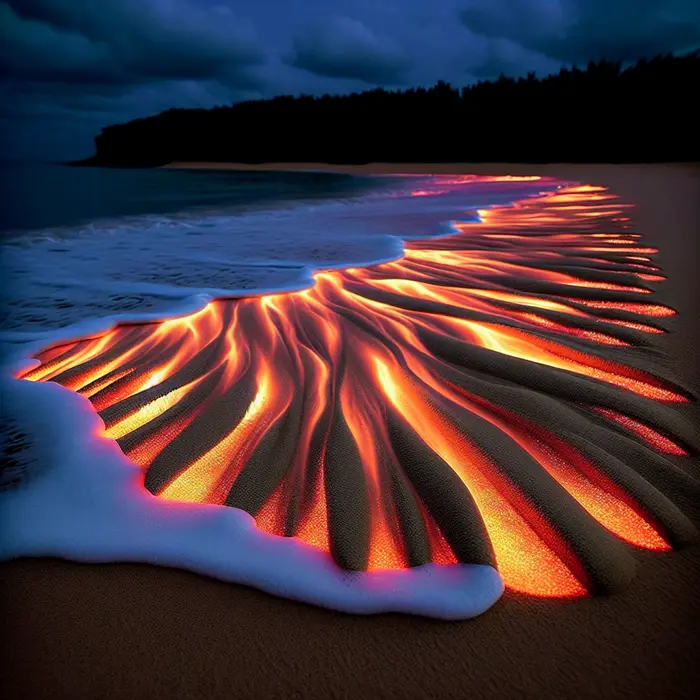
column 652, row 437
column 353, row 346
column 631, row 307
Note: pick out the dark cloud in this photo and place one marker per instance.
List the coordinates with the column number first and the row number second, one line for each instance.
column 126, row 40
column 55, row 121
column 33, row 50
column 70, row 67
column 488, row 58
column 67, row 63
column 346, row 48
column 575, row 31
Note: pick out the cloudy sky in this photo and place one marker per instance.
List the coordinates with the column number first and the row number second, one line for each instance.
column 69, row 67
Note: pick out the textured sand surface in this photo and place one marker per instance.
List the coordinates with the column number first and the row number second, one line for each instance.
column 227, row 639
column 494, row 397
column 666, row 208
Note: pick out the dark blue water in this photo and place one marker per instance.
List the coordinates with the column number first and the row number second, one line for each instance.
column 90, row 243
column 36, row 196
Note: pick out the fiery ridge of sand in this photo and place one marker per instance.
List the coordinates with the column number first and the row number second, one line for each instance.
column 485, row 400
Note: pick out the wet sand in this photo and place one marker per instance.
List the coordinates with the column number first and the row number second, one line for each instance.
column 132, row 631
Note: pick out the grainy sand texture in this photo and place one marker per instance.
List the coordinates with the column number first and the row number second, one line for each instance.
column 544, row 342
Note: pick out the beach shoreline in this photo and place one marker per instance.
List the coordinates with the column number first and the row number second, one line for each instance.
column 551, row 169
column 180, row 634
column 666, row 212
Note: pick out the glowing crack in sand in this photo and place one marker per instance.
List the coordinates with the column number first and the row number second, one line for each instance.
column 401, row 432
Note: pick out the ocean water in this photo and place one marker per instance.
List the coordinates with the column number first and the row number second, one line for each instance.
column 84, row 249
column 45, row 196
column 79, row 243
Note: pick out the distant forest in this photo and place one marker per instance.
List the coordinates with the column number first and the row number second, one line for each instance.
column 644, row 113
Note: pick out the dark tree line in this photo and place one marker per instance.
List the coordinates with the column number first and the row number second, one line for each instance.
column 646, row 112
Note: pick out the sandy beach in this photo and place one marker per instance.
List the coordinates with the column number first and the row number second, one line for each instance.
column 666, row 211
column 132, row 631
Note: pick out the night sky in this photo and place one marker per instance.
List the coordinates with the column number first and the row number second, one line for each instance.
column 69, row 67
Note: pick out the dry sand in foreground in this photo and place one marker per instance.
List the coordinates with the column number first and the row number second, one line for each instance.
column 134, row 631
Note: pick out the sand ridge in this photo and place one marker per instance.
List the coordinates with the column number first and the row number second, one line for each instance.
column 640, row 642
column 510, row 303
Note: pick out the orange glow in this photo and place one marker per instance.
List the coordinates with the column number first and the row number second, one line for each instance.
column 198, row 481
column 631, row 307
column 596, row 337
column 518, row 344
column 520, row 553
column 218, row 387
column 652, row 437
column 147, row 413
column 384, row 550
column 607, row 285
column 563, row 464
column 650, row 278
column 643, row 327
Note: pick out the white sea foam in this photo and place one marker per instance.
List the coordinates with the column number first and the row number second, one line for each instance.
column 155, row 265
column 85, row 501
column 88, row 504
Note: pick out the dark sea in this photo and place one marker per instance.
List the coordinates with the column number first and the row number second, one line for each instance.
column 95, row 245
column 38, row 196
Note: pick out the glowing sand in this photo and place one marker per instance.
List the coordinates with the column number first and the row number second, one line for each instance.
column 479, row 404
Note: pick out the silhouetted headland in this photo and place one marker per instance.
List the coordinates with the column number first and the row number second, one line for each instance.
column 642, row 113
